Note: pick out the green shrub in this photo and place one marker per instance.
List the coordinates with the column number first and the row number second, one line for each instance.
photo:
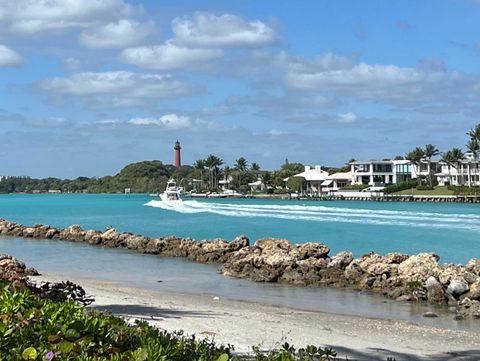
column 401, row 186
column 357, row 187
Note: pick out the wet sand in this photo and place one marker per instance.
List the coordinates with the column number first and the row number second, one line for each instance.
column 244, row 324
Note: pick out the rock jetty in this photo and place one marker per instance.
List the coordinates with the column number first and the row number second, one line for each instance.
column 399, row 276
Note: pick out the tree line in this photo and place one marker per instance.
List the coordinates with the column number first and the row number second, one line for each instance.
column 152, row 176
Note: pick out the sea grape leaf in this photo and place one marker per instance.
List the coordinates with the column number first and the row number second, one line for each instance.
column 29, row 354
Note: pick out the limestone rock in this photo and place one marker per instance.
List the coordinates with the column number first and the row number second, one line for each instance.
column 419, row 268
column 73, row 233
column 430, row 282
column 474, row 292
column 341, row 260
column 436, row 294
column 457, row 287
column 239, row 243
column 473, row 266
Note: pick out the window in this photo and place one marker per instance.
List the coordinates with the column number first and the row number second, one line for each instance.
column 362, row 168
column 382, row 168
column 403, row 168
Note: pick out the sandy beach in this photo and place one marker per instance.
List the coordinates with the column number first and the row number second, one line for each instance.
column 244, row 324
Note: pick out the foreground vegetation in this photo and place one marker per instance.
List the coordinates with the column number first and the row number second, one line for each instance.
column 32, row 328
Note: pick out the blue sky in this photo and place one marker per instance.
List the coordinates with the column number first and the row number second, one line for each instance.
column 89, row 86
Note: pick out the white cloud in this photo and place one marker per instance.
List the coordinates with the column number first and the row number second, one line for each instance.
column 168, row 56
column 381, row 83
column 71, row 63
column 31, row 16
column 116, row 34
column 349, row 117
column 276, row 132
column 169, row 121
column 9, row 57
column 210, row 30
column 116, row 88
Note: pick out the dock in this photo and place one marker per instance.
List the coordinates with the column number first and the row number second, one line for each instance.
column 398, row 198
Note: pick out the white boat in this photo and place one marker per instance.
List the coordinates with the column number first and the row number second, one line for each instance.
column 171, row 196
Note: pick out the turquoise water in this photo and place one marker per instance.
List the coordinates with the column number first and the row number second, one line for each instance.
column 451, row 230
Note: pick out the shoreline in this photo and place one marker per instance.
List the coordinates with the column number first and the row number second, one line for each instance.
column 245, row 324
column 399, row 276
column 391, row 198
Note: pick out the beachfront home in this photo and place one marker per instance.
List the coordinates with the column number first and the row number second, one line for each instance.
column 336, row 181
column 464, row 172
column 381, row 172
column 372, row 172
column 314, row 177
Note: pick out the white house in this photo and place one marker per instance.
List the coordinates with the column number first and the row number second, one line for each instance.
column 381, row 172
column 314, row 177
column 465, row 172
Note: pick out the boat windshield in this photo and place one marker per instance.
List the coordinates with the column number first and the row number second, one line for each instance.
column 172, row 196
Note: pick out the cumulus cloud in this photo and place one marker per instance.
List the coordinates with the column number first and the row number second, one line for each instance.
column 9, row 57
column 383, row 83
column 71, row 63
column 31, row 16
column 168, row 56
column 349, row 117
column 210, row 30
column 169, row 121
column 116, row 88
column 116, row 34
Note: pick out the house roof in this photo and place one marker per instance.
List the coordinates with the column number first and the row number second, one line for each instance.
column 313, row 175
column 340, row 175
column 371, row 161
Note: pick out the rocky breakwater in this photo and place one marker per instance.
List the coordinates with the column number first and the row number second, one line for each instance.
column 396, row 275
column 208, row 251
column 402, row 277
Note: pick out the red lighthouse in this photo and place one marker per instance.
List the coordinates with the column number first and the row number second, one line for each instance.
column 177, row 161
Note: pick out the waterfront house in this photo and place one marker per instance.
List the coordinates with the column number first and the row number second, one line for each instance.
column 382, row 172
column 336, row 181
column 314, row 177
column 465, row 172
column 372, row 172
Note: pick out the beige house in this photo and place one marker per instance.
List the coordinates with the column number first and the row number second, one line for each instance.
column 314, row 177
column 336, row 181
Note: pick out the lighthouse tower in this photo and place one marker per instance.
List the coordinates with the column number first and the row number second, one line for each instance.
column 177, row 161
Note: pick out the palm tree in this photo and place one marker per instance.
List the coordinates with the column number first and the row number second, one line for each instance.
column 473, row 146
column 200, row 165
column 416, row 156
column 241, row 164
column 255, row 166
column 475, row 132
column 267, row 180
column 457, row 156
column 227, row 171
column 429, row 152
column 213, row 163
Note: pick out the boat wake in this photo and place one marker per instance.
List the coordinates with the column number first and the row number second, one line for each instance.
column 469, row 222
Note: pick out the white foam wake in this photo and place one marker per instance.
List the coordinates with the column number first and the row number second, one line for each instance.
column 330, row 214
